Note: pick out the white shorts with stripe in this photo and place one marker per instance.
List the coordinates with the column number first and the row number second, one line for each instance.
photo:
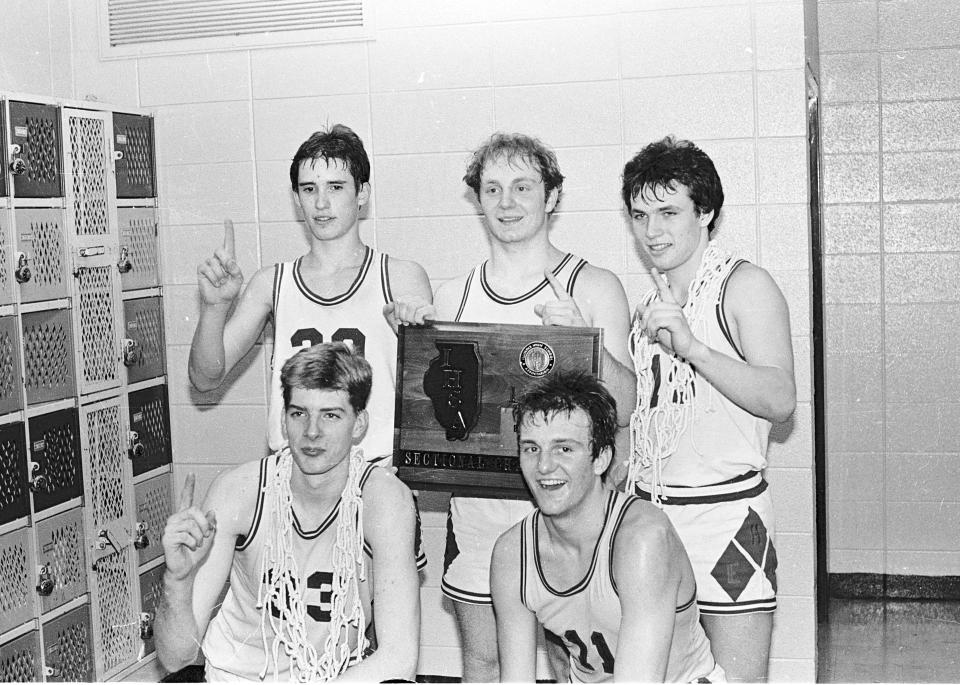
column 728, row 531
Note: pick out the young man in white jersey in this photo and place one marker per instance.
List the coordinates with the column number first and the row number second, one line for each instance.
column 311, row 538
column 338, row 290
column 526, row 279
column 714, row 362
column 603, row 571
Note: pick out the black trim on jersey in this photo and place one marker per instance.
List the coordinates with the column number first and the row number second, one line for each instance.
column 707, row 499
column 244, row 540
column 277, row 276
column 332, row 516
column 578, row 586
column 466, row 294
column 523, row 564
column 385, row 279
column 336, row 299
column 572, row 281
column 722, row 315
column 491, row 293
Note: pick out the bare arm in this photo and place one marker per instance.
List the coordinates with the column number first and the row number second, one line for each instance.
column 516, row 625
column 764, row 384
column 198, row 562
column 220, row 339
column 388, row 523
column 412, row 298
column 646, row 565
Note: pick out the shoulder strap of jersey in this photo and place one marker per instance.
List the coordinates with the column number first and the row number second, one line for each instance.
column 721, row 312
column 243, row 541
column 466, row 293
column 574, row 274
column 385, row 279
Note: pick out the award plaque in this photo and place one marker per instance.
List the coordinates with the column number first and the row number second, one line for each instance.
column 456, row 384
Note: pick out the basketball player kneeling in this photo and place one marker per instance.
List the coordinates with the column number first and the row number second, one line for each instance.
column 311, row 538
column 604, row 572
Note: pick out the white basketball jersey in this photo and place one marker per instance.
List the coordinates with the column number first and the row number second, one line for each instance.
column 301, row 318
column 234, row 643
column 586, row 616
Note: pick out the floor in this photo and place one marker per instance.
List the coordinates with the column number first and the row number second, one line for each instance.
column 892, row 641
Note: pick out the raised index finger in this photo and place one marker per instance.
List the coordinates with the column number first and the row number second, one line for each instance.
column 186, row 495
column 558, row 290
column 229, row 240
column 663, row 286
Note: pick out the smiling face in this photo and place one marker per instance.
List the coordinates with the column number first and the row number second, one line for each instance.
column 514, row 200
column 328, row 197
column 556, row 458
column 668, row 227
column 321, row 427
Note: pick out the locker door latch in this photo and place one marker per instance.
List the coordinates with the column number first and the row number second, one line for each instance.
column 131, row 351
column 38, row 480
column 146, row 626
column 124, row 265
column 45, row 582
column 136, row 448
column 142, row 541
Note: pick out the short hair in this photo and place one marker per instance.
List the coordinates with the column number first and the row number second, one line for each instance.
column 513, row 147
column 662, row 164
column 565, row 391
column 338, row 142
column 328, row 366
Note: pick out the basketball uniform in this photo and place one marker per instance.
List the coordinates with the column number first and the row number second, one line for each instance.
column 302, row 318
column 586, row 616
column 475, row 523
column 714, row 492
column 234, row 646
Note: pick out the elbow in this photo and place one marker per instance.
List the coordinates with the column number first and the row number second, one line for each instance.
column 783, row 404
column 201, row 382
column 173, row 662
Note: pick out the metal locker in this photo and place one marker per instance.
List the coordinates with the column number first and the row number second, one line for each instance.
column 139, row 261
column 56, row 475
column 48, row 356
column 133, row 143
column 149, row 428
column 4, row 152
column 109, row 513
column 151, row 591
column 143, row 343
column 14, row 492
column 154, row 506
column 16, row 571
column 61, row 561
column 11, row 392
column 41, row 262
column 35, row 168
column 98, row 324
column 90, row 184
column 6, row 255
column 68, row 647
column 20, row 659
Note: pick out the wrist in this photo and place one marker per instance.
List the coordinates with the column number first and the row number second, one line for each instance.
column 698, row 354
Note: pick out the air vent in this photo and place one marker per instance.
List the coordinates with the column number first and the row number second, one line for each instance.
column 166, row 26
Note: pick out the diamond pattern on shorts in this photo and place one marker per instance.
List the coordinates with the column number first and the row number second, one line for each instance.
column 744, row 556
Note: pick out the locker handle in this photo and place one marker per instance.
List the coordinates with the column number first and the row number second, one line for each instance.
column 131, row 352
column 22, row 273
column 93, row 251
column 38, row 480
column 124, row 265
column 146, row 626
column 45, row 582
column 142, row 541
column 17, row 165
column 136, row 447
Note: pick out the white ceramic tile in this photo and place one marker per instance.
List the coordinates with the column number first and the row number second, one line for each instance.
column 847, row 26
column 686, row 41
column 280, row 126
column 431, row 57
column 508, row 10
column 282, row 241
column 737, row 232
column 240, row 431
column 791, row 442
column 735, row 161
column 922, row 477
column 275, row 199
column 781, row 103
column 205, row 77
column 847, row 479
column 392, row 14
column 26, row 50
column 854, row 378
column 554, row 50
column 592, row 178
column 855, row 561
column 431, row 121
column 685, row 106
column 855, row 526
column 204, row 133
column 423, row 185
column 562, row 115
column 784, row 237
column 939, row 522
column 792, row 670
column 61, row 61
column 307, row 70
column 180, row 264
column 795, row 628
column 242, row 386
column 917, row 563
column 598, row 237
column 795, row 572
column 111, row 81
column 782, row 164
column 209, row 193
column 779, row 36
column 795, row 286
column 444, row 246
column 793, row 499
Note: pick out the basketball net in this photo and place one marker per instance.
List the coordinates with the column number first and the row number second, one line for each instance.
column 658, row 423
column 280, row 587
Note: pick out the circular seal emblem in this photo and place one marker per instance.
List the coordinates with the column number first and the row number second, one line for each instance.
column 537, row 358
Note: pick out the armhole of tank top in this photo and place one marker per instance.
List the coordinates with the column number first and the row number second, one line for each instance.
column 385, row 279
column 523, row 561
column 364, row 477
column 721, row 312
column 466, row 293
column 277, row 280
column 628, row 502
column 574, row 274
column 243, row 541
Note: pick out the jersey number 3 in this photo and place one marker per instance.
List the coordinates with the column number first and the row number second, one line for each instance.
column 308, row 337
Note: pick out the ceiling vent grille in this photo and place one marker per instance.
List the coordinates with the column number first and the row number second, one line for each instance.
column 165, row 26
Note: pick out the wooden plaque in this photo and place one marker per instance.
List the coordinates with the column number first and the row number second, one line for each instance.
column 456, row 383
